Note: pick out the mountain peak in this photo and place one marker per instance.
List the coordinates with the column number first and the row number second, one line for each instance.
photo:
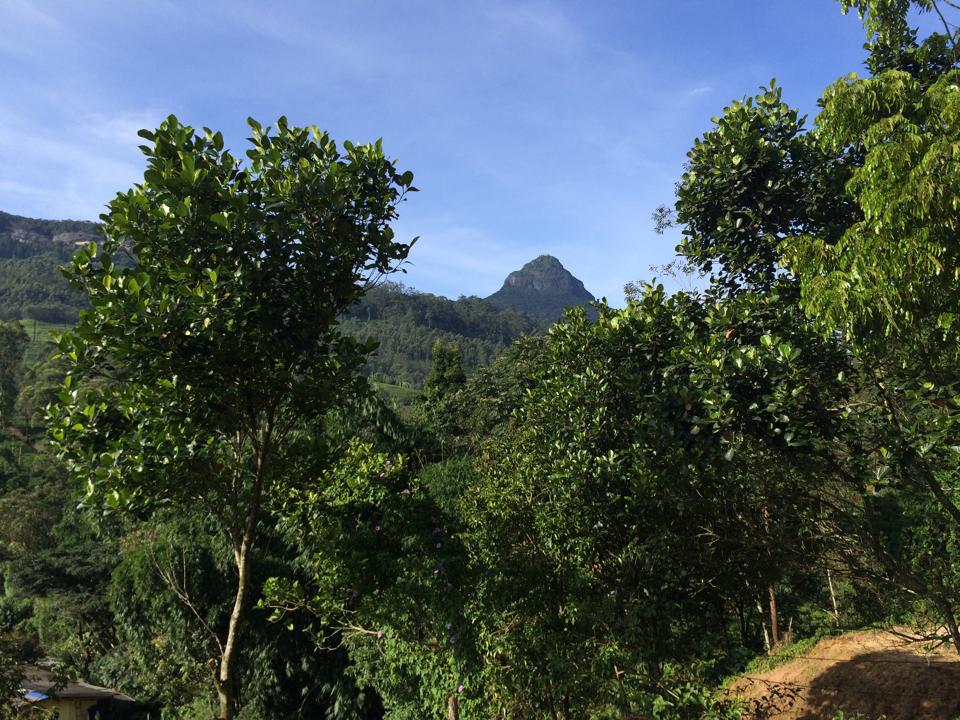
column 541, row 289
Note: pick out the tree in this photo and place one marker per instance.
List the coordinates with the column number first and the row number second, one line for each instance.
column 888, row 283
column 388, row 581
column 13, row 341
column 221, row 340
column 622, row 519
column 39, row 387
column 856, row 219
column 158, row 654
column 446, row 373
column 10, row 680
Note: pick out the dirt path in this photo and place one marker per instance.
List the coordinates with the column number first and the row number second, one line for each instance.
column 870, row 672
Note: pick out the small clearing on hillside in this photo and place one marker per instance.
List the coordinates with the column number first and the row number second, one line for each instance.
column 871, row 672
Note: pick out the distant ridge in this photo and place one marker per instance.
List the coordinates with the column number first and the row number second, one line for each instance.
column 541, row 290
column 405, row 323
column 31, row 251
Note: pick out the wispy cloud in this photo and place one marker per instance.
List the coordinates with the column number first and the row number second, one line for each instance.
column 73, row 171
column 541, row 21
column 532, row 125
column 453, row 259
column 24, row 24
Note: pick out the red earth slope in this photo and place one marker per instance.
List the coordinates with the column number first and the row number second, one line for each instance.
column 871, row 672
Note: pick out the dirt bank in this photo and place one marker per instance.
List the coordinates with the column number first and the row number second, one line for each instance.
column 870, row 672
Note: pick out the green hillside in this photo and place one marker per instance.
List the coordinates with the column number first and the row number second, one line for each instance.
column 31, row 252
column 407, row 323
column 404, row 322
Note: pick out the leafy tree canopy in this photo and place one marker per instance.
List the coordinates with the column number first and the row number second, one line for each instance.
column 221, row 340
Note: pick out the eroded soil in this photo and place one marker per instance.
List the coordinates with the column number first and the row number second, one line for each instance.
column 872, row 672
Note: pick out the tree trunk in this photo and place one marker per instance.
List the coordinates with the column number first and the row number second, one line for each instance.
column 949, row 618
column 226, row 680
column 742, row 619
column 774, row 624
column 833, row 599
column 763, row 625
column 453, row 708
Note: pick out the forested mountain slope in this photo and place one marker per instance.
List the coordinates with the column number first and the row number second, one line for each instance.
column 406, row 323
column 31, row 250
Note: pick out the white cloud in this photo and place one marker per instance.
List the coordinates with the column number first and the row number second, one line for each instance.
column 24, row 24
column 71, row 171
column 539, row 20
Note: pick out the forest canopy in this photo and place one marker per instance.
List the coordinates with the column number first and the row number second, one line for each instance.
column 205, row 502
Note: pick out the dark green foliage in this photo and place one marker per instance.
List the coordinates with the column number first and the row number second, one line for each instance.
column 406, row 324
column 9, row 678
column 459, row 422
column 629, row 511
column 387, row 567
column 175, row 570
column 221, row 342
column 39, row 387
column 753, row 180
column 13, row 341
column 54, row 568
column 542, row 289
column 481, row 408
column 446, row 372
column 31, row 251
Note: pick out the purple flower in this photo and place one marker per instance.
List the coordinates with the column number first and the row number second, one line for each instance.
column 437, row 531
column 388, row 464
column 406, row 491
column 449, row 625
column 459, row 688
column 379, row 634
column 439, row 545
column 452, row 639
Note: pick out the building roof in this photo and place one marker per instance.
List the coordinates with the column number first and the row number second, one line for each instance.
column 43, row 683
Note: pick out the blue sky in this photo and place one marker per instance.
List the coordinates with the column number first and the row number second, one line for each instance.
column 531, row 127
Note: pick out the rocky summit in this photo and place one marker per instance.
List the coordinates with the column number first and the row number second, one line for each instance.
column 541, row 289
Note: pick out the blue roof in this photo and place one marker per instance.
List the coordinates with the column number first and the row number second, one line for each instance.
column 35, row 696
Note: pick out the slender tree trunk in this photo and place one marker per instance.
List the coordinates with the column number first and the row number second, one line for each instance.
column 774, row 623
column 948, row 617
column 227, row 681
column 763, row 625
column 453, row 708
column 833, row 599
column 741, row 617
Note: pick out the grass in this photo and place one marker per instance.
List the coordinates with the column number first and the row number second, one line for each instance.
column 781, row 655
column 402, row 396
